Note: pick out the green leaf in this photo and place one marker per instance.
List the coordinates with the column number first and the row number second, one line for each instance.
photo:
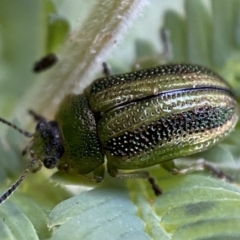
column 119, row 211
column 19, row 26
column 93, row 214
column 198, row 33
column 57, row 28
column 175, row 23
column 38, row 217
column 11, row 225
column 225, row 44
column 57, row 32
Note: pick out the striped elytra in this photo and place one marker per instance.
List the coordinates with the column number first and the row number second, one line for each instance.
column 162, row 113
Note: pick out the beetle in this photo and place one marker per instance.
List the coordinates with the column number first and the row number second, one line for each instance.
column 137, row 120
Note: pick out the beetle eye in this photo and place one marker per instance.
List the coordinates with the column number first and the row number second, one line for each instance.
column 49, row 162
column 40, row 125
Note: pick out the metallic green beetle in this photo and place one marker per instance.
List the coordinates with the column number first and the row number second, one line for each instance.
column 136, row 120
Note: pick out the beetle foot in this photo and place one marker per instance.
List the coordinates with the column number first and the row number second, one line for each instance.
column 106, row 69
column 157, row 190
column 98, row 179
column 214, row 171
column 202, row 165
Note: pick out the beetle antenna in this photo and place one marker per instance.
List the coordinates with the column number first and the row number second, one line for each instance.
column 11, row 190
column 25, row 133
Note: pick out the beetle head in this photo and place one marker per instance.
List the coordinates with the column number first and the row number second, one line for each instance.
column 47, row 143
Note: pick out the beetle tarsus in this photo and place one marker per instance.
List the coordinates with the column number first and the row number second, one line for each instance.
column 157, row 190
column 137, row 174
column 165, row 40
column 202, row 165
column 215, row 171
column 106, row 69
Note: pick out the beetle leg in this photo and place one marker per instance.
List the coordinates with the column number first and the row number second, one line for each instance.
column 98, row 174
column 157, row 190
column 168, row 166
column 113, row 172
column 166, row 44
column 202, row 165
column 36, row 116
column 146, row 61
column 106, row 69
column 136, row 174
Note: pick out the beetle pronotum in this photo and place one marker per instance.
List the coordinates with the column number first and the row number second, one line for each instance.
column 138, row 119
